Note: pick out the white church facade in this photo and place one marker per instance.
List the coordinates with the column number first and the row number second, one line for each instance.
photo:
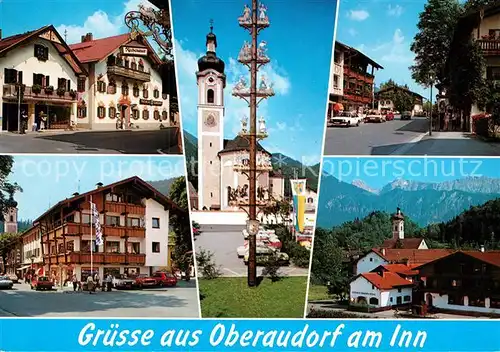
column 222, row 186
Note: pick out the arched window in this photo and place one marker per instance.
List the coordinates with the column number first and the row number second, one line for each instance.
column 145, row 93
column 135, row 114
column 136, row 91
column 145, row 114
column 112, row 87
column 156, row 93
column 210, row 96
column 125, row 89
column 112, row 112
column 101, row 112
column 164, row 115
column 156, row 115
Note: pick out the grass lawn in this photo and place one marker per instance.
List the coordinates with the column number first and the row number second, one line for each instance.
column 317, row 293
column 230, row 297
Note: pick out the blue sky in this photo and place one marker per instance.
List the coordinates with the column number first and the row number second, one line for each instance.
column 377, row 172
column 383, row 30
column 299, row 45
column 46, row 180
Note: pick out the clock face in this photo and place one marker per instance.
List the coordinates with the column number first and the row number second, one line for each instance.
column 211, row 81
column 210, row 121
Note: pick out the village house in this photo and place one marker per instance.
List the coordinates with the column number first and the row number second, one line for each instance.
column 386, row 104
column 135, row 222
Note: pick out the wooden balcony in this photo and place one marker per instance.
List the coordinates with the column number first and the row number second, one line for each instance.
column 363, row 77
column 97, row 258
column 122, row 208
column 490, row 47
column 126, row 72
column 75, row 229
column 10, row 93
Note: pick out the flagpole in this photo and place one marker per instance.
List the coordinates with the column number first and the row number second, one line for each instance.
column 91, row 244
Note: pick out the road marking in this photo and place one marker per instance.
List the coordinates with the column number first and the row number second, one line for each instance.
column 159, row 151
column 409, row 145
column 234, row 272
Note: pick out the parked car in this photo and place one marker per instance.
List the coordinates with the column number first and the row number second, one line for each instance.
column 345, row 118
column 42, row 283
column 406, row 115
column 263, row 258
column 389, row 116
column 13, row 277
column 123, row 282
column 144, row 281
column 165, row 278
column 375, row 116
column 5, row 283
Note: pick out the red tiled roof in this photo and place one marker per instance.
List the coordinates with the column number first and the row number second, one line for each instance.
column 401, row 269
column 414, row 256
column 490, row 257
column 387, row 281
column 406, row 243
column 98, row 49
column 18, row 38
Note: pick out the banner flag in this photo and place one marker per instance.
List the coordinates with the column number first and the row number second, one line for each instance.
column 97, row 224
column 252, row 334
column 298, row 187
column 299, row 203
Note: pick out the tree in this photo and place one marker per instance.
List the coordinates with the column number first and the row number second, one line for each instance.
column 182, row 254
column 432, row 42
column 400, row 95
column 474, row 5
column 8, row 242
column 280, row 210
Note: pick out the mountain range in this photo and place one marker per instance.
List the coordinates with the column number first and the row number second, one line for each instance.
column 425, row 203
column 287, row 166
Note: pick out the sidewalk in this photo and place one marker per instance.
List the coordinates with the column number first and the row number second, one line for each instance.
column 452, row 144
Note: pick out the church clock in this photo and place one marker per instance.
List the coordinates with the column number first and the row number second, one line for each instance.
column 210, row 121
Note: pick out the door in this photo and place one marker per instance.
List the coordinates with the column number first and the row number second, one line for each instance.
column 399, row 300
column 124, row 117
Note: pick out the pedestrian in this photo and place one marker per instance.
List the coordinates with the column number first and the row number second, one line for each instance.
column 90, row 284
column 75, row 282
column 97, row 279
column 43, row 121
column 24, row 122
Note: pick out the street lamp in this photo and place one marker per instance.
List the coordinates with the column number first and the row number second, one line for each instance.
column 431, row 80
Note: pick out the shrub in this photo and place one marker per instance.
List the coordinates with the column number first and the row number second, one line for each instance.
column 300, row 255
column 481, row 124
column 206, row 264
column 272, row 269
column 332, row 314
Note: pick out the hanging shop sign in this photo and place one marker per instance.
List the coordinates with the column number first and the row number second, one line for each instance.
column 132, row 51
column 150, row 102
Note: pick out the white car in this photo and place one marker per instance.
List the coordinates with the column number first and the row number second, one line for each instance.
column 345, row 118
column 241, row 251
column 375, row 116
column 6, row 283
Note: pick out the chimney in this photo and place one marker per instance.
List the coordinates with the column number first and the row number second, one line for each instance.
column 99, row 185
column 482, row 249
column 87, row 37
column 76, row 194
column 382, row 251
column 83, row 39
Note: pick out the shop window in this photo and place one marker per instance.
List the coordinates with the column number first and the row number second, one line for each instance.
column 101, row 112
column 136, row 91
column 145, row 114
column 156, row 93
column 156, row 247
column 112, row 112
column 134, row 247
column 135, row 114
column 112, row 220
column 112, row 247
column 156, row 223
column 131, row 272
column 114, row 272
column 81, row 84
column 156, row 115
column 86, row 272
column 164, row 115
column 145, row 93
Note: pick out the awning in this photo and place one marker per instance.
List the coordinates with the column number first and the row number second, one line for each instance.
column 23, row 267
column 338, row 107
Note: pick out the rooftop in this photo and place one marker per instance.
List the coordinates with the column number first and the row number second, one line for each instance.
column 386, row 281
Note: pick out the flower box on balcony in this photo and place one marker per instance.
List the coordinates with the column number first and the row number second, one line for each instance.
column 36, row 89
column 49, row 90
column 61, row 91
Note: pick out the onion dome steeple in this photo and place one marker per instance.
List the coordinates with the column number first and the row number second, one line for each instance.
column 210, row 60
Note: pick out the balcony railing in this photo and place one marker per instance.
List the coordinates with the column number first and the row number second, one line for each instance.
column 490, row 47
column 122, row 71
column 97, row 258
column 10, row 92
column 72, row 228
column 121, row 208
column 360, row 76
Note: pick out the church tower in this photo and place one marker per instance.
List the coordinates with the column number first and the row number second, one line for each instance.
column 398, row 225
column 211, row 83
column 10, row 216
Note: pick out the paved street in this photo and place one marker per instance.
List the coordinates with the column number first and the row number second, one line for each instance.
column 92, row 142
column 374, row 138
column 404, row 138
column 177, row 302
column 223, row 244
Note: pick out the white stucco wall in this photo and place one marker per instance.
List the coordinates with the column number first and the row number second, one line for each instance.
column 441, row 301
column 361, row 287
column 389, row 298
column 368, row 263
column 156, row 210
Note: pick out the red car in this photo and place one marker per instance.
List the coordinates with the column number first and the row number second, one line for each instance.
column 159, row 279
column 389, row 116
column 41, row 283
column 196, row 232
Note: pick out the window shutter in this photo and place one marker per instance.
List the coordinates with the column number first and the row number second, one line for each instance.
column 34, row 79
column 20, row 77
column 68, row 82
column 47, row 81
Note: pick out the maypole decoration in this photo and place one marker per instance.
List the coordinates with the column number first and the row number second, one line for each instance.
column 253, row 55
column 299, row 203
column 98, row 233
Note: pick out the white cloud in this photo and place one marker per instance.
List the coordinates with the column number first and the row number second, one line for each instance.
column 397, row 50
column 235, row 108
column 395, row 11
column 100, row 23
column 358, row 15
column 352, row 32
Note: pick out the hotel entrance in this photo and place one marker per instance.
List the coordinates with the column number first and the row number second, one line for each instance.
column 58, row 116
